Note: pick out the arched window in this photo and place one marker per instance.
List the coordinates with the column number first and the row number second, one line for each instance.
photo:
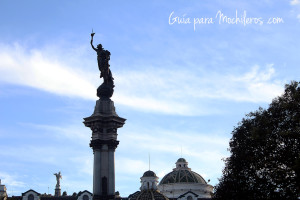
column 85, row 197
column 30, row 197
column 189, row 198
column 104, row 185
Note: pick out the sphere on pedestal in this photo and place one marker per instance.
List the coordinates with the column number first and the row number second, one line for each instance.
column 105, row 91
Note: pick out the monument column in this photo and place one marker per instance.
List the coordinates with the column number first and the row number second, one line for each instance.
column 111, row 168
column 104, row 123
column 96, row 171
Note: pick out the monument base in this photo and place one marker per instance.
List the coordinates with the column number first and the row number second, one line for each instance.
column 103, row 197
column 57, row 192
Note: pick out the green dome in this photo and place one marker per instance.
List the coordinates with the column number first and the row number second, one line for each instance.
column 182, row 176
column 181, row 160
column 147, row 195
column 149, row 174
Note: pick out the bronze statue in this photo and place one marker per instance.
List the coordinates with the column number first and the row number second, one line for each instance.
column 58, row 177
column 105, row 90
column 103, row 57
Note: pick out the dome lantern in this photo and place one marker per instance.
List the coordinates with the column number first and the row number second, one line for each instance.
column 148, row 188
column 149, row 181
column 181, row 164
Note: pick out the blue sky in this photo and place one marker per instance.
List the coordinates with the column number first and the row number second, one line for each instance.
column 178, row 86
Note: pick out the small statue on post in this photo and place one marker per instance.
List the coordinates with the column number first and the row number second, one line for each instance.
column 105, row 90
column 58, row 177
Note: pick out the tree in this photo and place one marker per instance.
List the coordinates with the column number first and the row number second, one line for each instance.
column 265, row 152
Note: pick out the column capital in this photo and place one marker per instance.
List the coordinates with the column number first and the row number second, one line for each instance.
column 97, row 144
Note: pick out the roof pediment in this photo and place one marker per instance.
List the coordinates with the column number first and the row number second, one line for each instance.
column 31, row 190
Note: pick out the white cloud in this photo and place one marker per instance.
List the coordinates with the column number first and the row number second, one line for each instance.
column 33, row 68
column 178, row 86
column 75, row 133
column 295, row 2
column 25, row 153
column 203, row 151
column 209, row 153
column 84, row 163
column 10, row 180
column 151, row 104
column 171, row 142
column 178, row 91
column 130, row 166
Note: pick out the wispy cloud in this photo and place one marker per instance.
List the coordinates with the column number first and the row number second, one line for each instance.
column 149, row 89
column 13, row 183
column 33, row 68
column 130, row 166
column 179, row 92
column 11, row 180
column 203, row 151
column 85, row 164
column 178, row 84
column 75, row 132
column 295, row 2
column 171, row 142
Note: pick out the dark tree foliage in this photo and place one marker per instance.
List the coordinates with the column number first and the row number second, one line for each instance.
column 265, row 152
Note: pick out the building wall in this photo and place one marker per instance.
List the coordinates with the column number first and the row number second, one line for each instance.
column 174, row 190
column 35, row 195
column 80, row 197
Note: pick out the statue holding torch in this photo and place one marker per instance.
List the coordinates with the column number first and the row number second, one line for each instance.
column 103, row 57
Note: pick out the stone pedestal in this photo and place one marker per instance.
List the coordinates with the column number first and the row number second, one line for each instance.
column 104, row 123
column 57, row 192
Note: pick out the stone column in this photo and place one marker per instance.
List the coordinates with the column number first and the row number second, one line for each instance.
column 104, row 124
column 96, row 172
column 111, row 170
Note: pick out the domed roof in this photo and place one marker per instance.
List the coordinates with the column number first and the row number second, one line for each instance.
column 149, row 174
column 182, row 176
column 181, row 160
column 147, row 195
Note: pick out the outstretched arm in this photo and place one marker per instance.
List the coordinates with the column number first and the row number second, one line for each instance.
column 92, row 44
